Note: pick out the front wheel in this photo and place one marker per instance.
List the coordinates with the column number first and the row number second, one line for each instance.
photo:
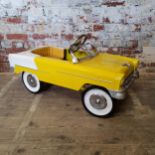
column 31, row 82
column 97, row 102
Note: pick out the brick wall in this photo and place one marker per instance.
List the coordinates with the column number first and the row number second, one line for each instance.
column 118, row 26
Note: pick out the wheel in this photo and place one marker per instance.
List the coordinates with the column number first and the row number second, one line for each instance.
column 31, row 82
column 97, row 102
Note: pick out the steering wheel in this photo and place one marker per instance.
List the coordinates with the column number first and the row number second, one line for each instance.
column 78, row 43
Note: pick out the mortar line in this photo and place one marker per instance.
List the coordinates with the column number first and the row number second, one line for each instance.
column 7, row 86
column 22, row 128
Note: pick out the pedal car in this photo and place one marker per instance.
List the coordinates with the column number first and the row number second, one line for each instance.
column 101, row 77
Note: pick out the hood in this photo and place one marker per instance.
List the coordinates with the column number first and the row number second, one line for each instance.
column 112, row 63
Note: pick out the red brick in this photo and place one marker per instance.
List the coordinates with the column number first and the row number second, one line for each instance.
column 15, row 20
column 3, row 57
column 1, row 37
column 114, row 4
column 152, row 64
column 15, row 50
column 4, row 67
column 134, row 43
column 98, row 27
column 149, row 64
column 17, row 36
column 91, row 36
column 106, row 20
column 40, row 36
column 67, row 36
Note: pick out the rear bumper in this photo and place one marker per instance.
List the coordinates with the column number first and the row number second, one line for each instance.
column 120, row 95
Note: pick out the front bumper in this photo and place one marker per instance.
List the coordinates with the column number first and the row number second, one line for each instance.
column 120, row 95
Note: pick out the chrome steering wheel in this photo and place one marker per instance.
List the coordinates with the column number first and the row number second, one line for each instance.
column 78, row 43
column 76, row 46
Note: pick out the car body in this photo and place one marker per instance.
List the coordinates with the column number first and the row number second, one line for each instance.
column 112, row 73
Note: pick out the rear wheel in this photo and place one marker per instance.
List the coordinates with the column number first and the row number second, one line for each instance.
column 97, row 102
column 31, row 82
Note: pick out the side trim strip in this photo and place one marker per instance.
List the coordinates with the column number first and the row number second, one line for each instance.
column 83, row 76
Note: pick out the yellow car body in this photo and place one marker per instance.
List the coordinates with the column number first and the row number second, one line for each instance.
column 111, row 72
column 100, row 76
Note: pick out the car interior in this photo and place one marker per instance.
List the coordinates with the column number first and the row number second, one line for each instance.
column 53, row 52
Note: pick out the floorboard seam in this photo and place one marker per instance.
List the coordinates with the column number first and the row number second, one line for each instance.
column 4, row 90
column 141, row 110
column 22, row 128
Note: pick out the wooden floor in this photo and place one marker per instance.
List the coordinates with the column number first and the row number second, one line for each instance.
column 55, row 122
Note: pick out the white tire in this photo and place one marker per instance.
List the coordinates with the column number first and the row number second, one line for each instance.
column 97, row 102
column 31, row 82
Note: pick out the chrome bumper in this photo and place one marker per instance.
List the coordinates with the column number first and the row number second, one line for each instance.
column 120, row 95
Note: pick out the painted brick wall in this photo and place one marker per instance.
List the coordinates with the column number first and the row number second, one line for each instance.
column 118, row 26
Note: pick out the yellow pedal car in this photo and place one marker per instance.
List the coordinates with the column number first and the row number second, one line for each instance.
column 100, row 76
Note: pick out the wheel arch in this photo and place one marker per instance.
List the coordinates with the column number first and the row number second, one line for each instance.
column 88, row 86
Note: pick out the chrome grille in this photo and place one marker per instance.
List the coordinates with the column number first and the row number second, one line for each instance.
column 128, row 80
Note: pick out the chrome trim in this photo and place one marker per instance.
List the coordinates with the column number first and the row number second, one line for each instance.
column 120, row 95
column 130, row 79
column 74, row 58
column 98, row 101
column 84, row 76
column 31, row 81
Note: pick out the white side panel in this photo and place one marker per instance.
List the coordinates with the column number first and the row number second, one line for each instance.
column 24, row 59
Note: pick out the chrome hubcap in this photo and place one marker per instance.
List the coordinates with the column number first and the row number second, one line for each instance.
column 31, row 81
column 98, row 101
